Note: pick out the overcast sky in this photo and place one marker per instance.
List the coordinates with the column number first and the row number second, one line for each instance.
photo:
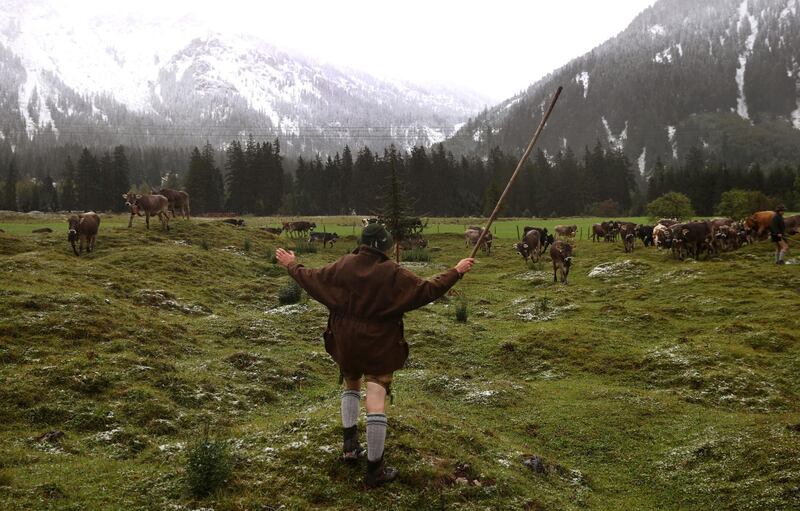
column 495, row 47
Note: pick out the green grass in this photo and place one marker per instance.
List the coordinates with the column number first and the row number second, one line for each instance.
column 666, row 385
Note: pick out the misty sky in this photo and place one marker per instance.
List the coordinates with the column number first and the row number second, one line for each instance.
column 495, row 47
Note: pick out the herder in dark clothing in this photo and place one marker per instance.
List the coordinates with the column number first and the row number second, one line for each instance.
column 367, row 294
column 778, row 231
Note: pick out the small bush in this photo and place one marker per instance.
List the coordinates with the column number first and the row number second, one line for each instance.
column 246, row 247
column 270, row 256
column 208, row 467
column 204, row 244
column 417, row 255
column 462, row 311
column 303, row 247
column 290, row 293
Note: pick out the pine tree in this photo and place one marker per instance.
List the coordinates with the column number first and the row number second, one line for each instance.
column 236, row 179
column 49, row 194
column 120, row 177
column 87, row 181
column 215, row 187
column 10, row 190
column 394, row 214
column 106, row 167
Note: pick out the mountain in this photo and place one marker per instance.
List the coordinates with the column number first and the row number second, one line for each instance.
column 125, row 79
column 721, row 75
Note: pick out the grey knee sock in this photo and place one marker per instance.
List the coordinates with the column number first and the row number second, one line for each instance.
column 376, row 435
column 350, row 402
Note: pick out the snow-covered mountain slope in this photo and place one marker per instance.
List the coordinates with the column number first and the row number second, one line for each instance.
column 723, row 75
column 134, row 80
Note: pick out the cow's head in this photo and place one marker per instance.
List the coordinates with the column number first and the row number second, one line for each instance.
column 72, row 233
column 523, row 249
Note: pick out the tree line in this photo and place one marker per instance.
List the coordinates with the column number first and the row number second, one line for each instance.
column 251, row 177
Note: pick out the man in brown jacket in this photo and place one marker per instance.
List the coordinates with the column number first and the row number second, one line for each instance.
column 367, row 294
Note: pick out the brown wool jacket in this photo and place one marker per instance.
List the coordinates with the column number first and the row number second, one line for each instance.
column 367, row 295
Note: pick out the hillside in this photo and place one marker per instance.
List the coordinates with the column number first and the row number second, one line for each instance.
column 719, row 74
column 656, row 385
column 108, row 80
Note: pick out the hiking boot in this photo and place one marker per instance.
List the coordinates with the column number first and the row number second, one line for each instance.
column 378, row 473
column 352, row 450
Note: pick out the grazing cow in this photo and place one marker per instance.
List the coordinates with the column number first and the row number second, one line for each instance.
column 323, row 237
column 530, row 246
column 561, row 254
column 83, row 228
column 473, row 234
column 758, row 223
column 298, row 228
column 273, row 230
column 598, row 232
column 238, row 222
column 545, row 238
column 366, row 221
column 151, row 205
column 413, row 241
column 178, row 199
column 645, row 233
column 566, row 231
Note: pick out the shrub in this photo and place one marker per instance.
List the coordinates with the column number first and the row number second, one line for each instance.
column 204, row 244
column 606, row 208
column 246, row 246
column 208, row 466
column 290, row 293
column 671, row 205
column 417, row 255
column 270, row 255
column 743, row 203
column 462, row 311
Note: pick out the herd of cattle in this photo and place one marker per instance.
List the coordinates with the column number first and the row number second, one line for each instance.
column 694, row 238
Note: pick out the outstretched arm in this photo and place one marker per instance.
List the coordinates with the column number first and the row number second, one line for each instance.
column 315, row 281
column 415, row 292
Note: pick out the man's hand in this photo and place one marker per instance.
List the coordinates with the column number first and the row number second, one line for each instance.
column 465, row 265
column 284, row 257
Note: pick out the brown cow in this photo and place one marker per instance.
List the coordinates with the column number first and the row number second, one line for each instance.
column 566, row 231
column 83, row 228
column 792, row 224
column 758, row 223
column 473, row 234
column 178, row 199
column 414, row 241
column 149, row 204
column 561, row 254
column 530, row 246
column 298, row 228
column 598, row 232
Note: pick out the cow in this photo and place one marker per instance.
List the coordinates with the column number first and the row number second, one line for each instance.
column 83, row 228
column 629, row 242
column 236, row 222
column 692, row 237
column 792, row 224
column 566, row 231
column 366, row 221
column 725, row 238
column 758, row 224
column 545, row 238
column 598, row 232
column 178, row 199
column 272, row 230
column 413, row 241
column 323, row 237
column 645, row 233
column 298, row 228
column 662, row 236
column 151, row 205
column 561, row 254
column 530, row 246
column 611, row 229
column 668, row 222
column 473, row 234
column 626, row 228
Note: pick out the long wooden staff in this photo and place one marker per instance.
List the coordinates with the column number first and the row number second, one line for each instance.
column 516, row 172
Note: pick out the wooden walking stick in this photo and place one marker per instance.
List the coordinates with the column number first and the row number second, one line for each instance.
column 516, row 172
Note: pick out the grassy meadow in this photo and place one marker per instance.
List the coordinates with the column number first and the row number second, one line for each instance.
column 646, row 383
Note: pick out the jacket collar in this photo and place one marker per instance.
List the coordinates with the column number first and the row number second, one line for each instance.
column 372, row 252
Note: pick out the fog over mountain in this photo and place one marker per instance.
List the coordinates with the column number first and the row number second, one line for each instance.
column 165, row 81
column 721, row 75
